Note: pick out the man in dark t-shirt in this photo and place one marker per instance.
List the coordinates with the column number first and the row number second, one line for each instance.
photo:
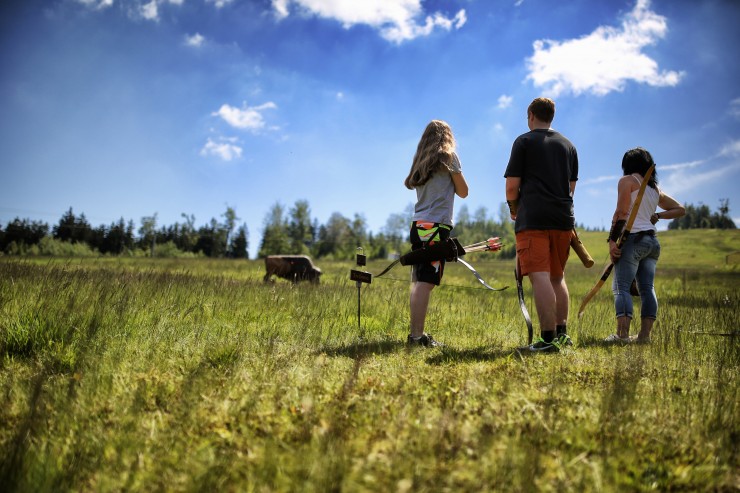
column 540, row 180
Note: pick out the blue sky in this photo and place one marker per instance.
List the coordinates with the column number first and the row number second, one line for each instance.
column 126, row 108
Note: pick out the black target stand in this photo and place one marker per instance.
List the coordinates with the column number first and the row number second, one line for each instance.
column 360, row 276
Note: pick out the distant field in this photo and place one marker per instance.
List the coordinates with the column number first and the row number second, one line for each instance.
column 194, row 375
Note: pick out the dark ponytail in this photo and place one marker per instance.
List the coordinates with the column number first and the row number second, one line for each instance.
column 639, row 160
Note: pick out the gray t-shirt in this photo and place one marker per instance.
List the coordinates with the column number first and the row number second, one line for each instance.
column 435, row 199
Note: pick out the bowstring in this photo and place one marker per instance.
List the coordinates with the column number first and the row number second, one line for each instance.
column 459, row 286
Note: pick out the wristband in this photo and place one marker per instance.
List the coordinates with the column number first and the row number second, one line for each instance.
column 513, row 206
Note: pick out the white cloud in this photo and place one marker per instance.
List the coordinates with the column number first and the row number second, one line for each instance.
column 662, row 168
column 605, row 60
column 504, row 101
column 225, row 149
column 245, row 118
column 680, row 180
column 195, row 40
column 735, row 108
column 396, row 20
column 281, row 8
column 149, row 11
column 97, row 4
column 598, row 179
column 730, row 150
column 677, row 166
column 684, row 177
column 219, row 3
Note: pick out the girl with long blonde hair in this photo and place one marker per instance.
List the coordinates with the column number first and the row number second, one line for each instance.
column 436, row 175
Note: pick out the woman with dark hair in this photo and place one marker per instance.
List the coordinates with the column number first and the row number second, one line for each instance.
column 639, row 254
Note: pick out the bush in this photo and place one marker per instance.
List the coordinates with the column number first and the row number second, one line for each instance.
column 170, row 250
column 49, row 247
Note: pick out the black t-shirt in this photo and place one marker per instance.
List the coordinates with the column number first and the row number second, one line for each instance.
column 546, row 162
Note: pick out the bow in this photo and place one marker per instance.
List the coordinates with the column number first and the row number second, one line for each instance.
column 522, row 305
column 491, row 244
column 392, row 265
column 450, row 250
column 477, row 276
column 620, row 241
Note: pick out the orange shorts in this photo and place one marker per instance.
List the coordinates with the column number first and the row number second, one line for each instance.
column 543, row 250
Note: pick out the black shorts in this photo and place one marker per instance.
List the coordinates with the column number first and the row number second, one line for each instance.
column 428, row 233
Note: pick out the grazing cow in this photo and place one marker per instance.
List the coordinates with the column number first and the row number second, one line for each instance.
column 291, row 267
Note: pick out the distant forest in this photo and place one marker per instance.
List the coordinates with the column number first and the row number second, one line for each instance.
column 285, row 231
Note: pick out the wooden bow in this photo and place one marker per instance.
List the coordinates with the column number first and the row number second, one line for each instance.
column 620, row 241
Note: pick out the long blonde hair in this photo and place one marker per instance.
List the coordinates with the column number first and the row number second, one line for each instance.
column 434, row 152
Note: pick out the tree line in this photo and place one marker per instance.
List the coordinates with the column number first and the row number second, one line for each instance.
column 293, row 231
column 700, row 217
column 74, row 235
column 285, row 231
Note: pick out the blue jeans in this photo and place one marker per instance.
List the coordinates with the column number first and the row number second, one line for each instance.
column 639, row 257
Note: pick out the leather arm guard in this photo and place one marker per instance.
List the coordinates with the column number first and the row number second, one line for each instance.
column 616, row 230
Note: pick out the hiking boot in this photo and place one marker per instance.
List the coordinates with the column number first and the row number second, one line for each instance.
column 540, row 346
column 616, row 338
column 564, row 340
column 425, row 340
column 640, row 340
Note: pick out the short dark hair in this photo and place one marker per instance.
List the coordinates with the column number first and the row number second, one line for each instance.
column 639, row 160
column 543, row 109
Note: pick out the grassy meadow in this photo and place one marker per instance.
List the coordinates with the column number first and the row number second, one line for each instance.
column 193, row 375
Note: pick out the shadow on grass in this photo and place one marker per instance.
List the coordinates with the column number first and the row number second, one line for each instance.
column 591, row 341
column 587, row 343
column 437, row 356
column 480, row 353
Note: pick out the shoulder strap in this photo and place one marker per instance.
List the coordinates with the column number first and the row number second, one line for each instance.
column 635, row 207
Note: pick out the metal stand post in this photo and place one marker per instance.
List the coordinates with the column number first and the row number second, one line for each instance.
column 360, row 277
column 359, row 285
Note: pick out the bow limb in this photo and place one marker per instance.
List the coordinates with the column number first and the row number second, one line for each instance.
column 522, row 305
column 393, row 264
column 620, row 241
column 595, row 289
column 477, row 276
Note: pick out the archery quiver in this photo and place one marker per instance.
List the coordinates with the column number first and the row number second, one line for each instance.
column 577, row 245
column 449, row 249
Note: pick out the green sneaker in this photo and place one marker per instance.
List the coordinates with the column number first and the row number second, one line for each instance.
column 540, row 346
column 564, row 340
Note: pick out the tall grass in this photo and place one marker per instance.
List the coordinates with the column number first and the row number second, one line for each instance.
column 194, row 375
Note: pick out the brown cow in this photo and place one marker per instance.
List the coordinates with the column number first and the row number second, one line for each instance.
column 291, row 267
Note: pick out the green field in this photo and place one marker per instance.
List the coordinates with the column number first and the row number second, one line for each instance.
column 193, row 375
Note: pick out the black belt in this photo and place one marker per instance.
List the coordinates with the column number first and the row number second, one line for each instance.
column 640, row 234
